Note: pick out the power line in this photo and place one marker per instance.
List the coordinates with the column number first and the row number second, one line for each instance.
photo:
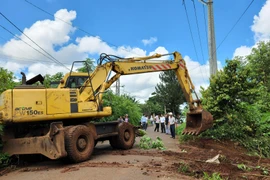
column 192, row 36
column 195, row 11
column 86, row 32
column 229, row 30
column 28, row 43
column 52, row 58
column 190, row 30
column 22, row 59
column 205, row 26
column 235, row 24
column 18, row 47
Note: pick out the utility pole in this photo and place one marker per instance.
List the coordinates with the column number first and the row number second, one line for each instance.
column 117, row 86
column 211, row 37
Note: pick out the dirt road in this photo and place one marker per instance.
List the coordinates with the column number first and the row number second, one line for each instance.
column 178, row 161
column 107, row 163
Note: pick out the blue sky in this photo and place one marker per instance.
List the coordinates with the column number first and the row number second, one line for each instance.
column 127, row 23
column 123, row 22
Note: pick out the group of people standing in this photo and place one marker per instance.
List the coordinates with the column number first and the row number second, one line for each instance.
column 123, row 118
column 167, row 123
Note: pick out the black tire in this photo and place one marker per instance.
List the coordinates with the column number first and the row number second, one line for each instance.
column 126, row 136
column 79, row 143
column 114, row 142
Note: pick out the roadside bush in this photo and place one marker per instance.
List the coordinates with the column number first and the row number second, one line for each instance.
column 122, row 105
column 240, row 106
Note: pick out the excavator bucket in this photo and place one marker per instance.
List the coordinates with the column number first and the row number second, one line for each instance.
column 197, row 122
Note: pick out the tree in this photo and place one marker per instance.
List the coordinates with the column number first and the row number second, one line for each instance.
column 52, row 78
column 258, row 61
column 239, row 102
column 229, row 88
column 6, row 80
column 169, row 93
column 87, row 65
column 133, row 99
column 151, row 108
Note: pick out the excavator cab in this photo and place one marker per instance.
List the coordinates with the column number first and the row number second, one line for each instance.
column 198, row 121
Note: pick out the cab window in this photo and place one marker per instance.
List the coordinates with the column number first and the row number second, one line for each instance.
column 75, row 81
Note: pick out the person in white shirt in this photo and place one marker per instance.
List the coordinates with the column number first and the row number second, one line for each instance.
column 157, row 123
column 172, row 123
column 151, row 119
column 162, row 123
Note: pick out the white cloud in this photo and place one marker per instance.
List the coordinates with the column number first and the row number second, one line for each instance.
column 261, row 29
column 149, row 41
column 47, row 34
column 261, row 23
column 94, row 45
column 159, row 50
column 199, row 73
column 242, row 51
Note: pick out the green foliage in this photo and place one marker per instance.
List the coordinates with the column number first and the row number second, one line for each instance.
column 243, row 167
column 4, row 160
column 214, row 176
column 122, row 105
column 259, row 63
column 151, row 107
column 52, row 78
column 183, row 138
column 158, row 144
column 264, row 171
column 141, row 132
column 238, row 97
column 87, row 65
column 6, row 80
column 133, row 99
column 180, row 128
column 147, row 143
column 183, row 167
column 185, row 111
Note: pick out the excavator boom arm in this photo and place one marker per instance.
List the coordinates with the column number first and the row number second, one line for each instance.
column 100, row 81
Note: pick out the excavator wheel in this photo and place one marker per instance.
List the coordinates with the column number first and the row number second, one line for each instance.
column 114, row 142
column 79, row 143
column 126, row 136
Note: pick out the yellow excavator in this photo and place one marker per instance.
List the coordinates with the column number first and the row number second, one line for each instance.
column 64, row 121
